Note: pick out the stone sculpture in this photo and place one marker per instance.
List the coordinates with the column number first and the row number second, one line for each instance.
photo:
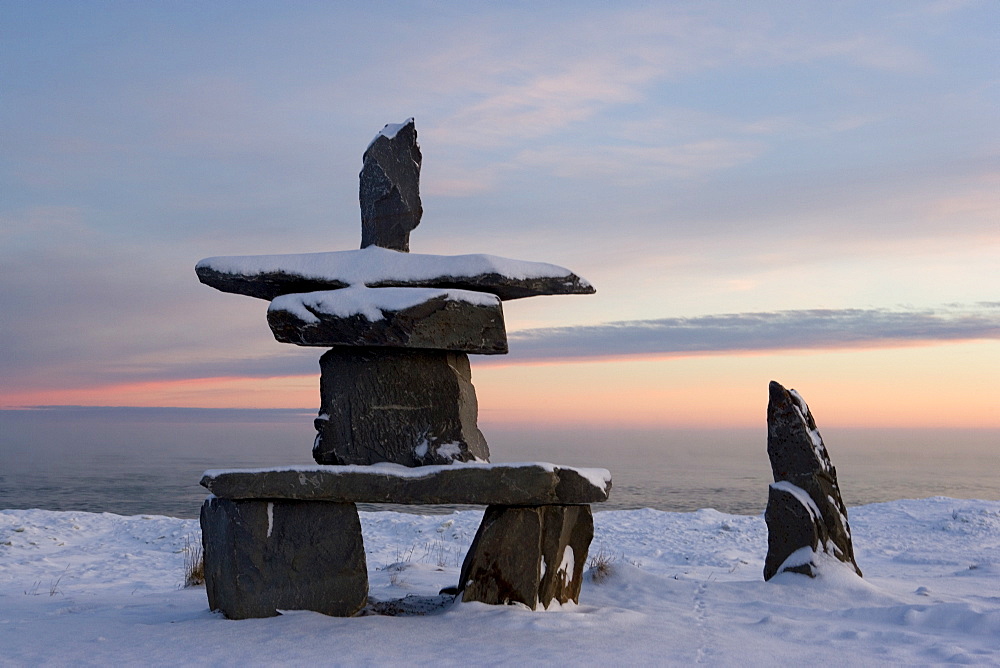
column 805, row 514
column 395, row 391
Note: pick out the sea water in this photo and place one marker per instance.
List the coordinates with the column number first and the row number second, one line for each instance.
column 149, row 460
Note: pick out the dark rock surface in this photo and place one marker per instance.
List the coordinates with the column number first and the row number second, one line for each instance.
column 410, row 407
column 438, row 323
column 502, row 484
column 264, row 285
column 529, row 555
column 265, row 556
column 411, row 605
column 804, row 507
column 390, row 188
column 504, row 287
column 270, row 284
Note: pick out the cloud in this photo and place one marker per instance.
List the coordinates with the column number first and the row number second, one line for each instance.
column 810, row 329
column 814, row 329
column 528, row 77
column 766, row 331
column 637, row 164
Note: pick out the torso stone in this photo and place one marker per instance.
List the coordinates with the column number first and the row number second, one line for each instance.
column 410, row 407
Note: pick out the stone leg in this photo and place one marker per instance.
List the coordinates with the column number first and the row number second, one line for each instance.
column 264, row 556
column 528, row 554
column 409, row 407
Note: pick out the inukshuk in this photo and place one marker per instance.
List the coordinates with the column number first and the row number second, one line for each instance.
column 395, row 387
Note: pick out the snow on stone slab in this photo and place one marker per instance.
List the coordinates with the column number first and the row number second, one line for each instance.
column 595, row 476
column 370, row 303
column 267, row 276
column 531, row 483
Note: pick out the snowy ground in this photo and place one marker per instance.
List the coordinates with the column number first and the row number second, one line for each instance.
column 100, row 589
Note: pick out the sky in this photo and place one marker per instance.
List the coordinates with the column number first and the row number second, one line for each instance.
column 803, row 192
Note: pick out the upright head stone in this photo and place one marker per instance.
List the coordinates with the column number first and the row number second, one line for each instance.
column 390, row 188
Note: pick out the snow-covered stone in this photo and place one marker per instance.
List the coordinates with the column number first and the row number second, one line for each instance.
column 532, row 483
column 459, row 320
column 268, row 276
column 390, row 188
column 805, row 512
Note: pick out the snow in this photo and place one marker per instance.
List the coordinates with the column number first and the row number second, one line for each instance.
column 799, row 557
column 390, row 130
column 99, row 589
column 451, row 449
column 421, row 448
column 566, row 567
column 802, row 496
column 373, row 265
column 370, row 302
column 802, row 408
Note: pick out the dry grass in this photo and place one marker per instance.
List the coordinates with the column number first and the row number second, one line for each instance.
column 194, row 564
column 601, row 565
column 53, row 586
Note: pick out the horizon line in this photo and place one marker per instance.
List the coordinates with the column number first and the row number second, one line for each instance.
column 491, row 424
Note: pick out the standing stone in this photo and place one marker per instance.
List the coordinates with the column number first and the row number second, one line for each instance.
column 805, row 514
column 409, row 407
column 390, row 188
column 528, row 554
column 264, row 556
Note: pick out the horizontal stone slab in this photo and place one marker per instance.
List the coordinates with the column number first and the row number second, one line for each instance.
column 269, row 276
column 459, row 320
column 525, row 484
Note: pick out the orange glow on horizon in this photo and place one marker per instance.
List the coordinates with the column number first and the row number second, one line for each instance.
column 225, row 392
column 939, row 386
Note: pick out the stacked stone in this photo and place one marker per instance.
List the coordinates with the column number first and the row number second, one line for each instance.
column 396, row 384
column 396, row 388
